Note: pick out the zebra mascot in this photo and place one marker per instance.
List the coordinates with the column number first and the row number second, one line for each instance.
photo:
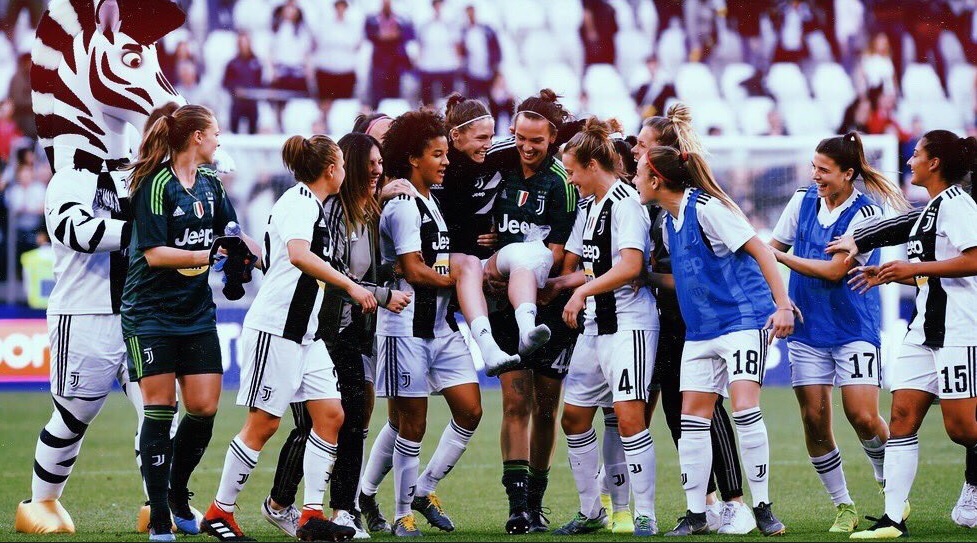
column 95, row 72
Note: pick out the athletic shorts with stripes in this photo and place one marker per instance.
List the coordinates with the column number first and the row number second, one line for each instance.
column 948, row 372
column 413, row 367
column 192, row 354
column 276, row 372
column 855, row 363
column 611, row 368
column 88, row 355
column 710, row 365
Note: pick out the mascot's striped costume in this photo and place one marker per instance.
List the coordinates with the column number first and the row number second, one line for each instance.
column 95, row 74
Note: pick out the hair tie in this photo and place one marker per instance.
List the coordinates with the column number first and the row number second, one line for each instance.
column 685, row 156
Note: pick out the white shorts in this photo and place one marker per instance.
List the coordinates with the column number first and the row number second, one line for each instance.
column 88, row 355
column 370, row 364
column 276, row 372
column 611, row 368
column 412, row 367
column 855, row 363
column 948, row 372
column 710, row 365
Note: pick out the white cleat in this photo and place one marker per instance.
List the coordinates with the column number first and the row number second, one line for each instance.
column 286, row 520
column 533, row 340
column 345, row 518
column 965, row 512
column 737, row 519
column 500, row 361
column 714, row 515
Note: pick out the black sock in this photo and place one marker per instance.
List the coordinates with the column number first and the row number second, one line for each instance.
column 156, row 450
column 538, row 479
column 971, row 472
column 189, row 444
column 515, row 478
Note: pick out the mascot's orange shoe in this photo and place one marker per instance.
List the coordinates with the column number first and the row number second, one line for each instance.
column 47, row 517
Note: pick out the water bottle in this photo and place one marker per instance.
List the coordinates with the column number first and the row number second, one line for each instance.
column 232, row 229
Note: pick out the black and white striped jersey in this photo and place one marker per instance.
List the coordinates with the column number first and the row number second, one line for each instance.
column 288, row 302
column 946, row 308
column 87, row 216
column 414, row 224
column 602, row 229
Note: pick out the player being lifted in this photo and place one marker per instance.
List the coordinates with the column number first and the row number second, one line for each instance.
column 724, row 278
column 614, row 358
column 420, row 350
column 168, row 317
column 839, row 341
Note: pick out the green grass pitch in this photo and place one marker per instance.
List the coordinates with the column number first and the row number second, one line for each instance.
column 104, row 492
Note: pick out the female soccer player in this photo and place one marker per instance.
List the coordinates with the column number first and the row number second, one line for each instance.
column 937, row 358
column 620, row 329
column 373, row 124
column 351, row 217
column 420, row 350
column 168, row 319
column 724, row 277
column 839, row 342
column 728, row 515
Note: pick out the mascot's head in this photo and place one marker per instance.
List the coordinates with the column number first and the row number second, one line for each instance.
column 95, row 70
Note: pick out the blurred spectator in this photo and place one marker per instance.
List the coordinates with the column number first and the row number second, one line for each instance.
column 792, row 21
column 20, row 94
column 25, row 206
column 8, row 131
column 337, row 46
column 746, row 16
column 220, row 15
column 929, row 17
column 38, row 267
column 23, row 155
column 658, row 87
column 849, row 29
column 291, row 48
column 876, row 66
column 501, row 104
column 776, row 124
column 700, row 27
column 35, row 8
column 188, row 84
column 889, row 17
column 243, row 72
column 481, row 54
column 856, row 116
column 182, row 54
column 439, row 47
column 882, row 118
column 597, row 30
column 389, row 34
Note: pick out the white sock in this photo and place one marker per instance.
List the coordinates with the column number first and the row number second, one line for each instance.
column 832, row 476
column 640, row 452
column 453, row 443
column 320, row 456
column 901, row 461
column 238, row 464
column 584, row 463
column 482, row 334
column 695, row 459
column 526, row 318
column 875, row 451
column 615, row 470
column 755, row 450
column 59, row 444
column 406, row 463
column 380, row 460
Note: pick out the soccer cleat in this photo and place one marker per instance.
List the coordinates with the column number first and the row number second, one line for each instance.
column 430, row 507
column 884, row 528
column 43, row 517
column 345, row 518
column 606, row 503
column 906, row 510
column 142, row 520
column 286, row 520
column 737, row 519
column 519, row 523
column 185, row 518
column 581, row 524
column 714, row 515
column 645, row 526
column 846, row 520
column 690, row 524
column 766, row 521
column 164, row 536
column 221, row 524
column 361, row 532
column 965, row 511
column 533, row 340
column 623, row 523
column 538, row 521
column 406, row 526
column 375, row 521
column 314, row 527
column 499, row 362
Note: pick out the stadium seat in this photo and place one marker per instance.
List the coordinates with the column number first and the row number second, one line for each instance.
column 752, row 114
column 621, row 109
column 569, row 15
column 950, row 49
column 603, row 82
column 921, row 84
column 937, row 114
column 520, row 82
column 252, row 15
column 342, row 115
column 394, row 106
column 171, row 40
column 786, row 82
column 803, row 116
column 672, row 50
column 818, row 47
column 695, row 83
column 561, row 78
column 831, row 83
column 519, row 17
column 961, row 83
column 707, row 114
column 731, row 81
column 633, row 47
column 218, row 50
column 537, row 50
column 299, row 115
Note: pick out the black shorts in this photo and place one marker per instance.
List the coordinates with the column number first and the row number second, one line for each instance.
column 553, row 358
column 668, row 360
column 183, row 355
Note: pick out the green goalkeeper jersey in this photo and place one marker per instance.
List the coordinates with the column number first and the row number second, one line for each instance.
column 546, row 198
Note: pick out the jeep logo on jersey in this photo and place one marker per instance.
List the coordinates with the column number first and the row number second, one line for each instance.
column 693, row 266
column 443, row 243
column 513, row 226
column 521, row 198
column 193, row 237
column 591, row 252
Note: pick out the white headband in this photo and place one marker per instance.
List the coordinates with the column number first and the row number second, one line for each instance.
column 476, row 119
column 541, row 116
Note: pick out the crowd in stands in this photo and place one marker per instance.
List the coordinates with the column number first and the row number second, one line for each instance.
column 746, row 67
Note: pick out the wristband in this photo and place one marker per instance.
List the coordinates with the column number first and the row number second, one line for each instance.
column 791, row 309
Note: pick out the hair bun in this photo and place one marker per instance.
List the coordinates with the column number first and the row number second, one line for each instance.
column 548, row 95
column 453, row 100
column 596, row 127
column 679, row 113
